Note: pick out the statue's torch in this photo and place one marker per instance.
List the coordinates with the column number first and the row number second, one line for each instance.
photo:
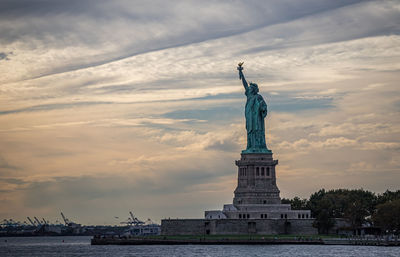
column 240, row 68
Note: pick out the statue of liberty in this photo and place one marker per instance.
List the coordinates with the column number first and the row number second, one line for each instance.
column 255, row 112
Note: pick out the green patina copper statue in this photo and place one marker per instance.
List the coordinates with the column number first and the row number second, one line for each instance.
column 255, row 112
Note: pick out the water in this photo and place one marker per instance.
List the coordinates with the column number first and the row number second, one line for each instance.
column 80, row 246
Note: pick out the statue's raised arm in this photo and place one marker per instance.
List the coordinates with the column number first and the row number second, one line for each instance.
column 241, row 76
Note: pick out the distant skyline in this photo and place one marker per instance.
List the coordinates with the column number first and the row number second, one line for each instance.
column 113, row 106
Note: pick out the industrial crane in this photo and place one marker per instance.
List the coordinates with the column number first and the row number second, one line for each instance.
column 65, row 219
column 133, row 217
column 33, row 223
column 135, row 220
column 38, row 221
column 132, row 220
column 69, row 223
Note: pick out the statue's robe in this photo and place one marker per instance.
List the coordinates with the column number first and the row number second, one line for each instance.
column 255, row 112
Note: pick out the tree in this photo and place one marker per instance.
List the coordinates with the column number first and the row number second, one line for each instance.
column 323, row 213
column 357, row 206
column 353, row 205
column 387, row 216
column 297, row 203
column 388, row 196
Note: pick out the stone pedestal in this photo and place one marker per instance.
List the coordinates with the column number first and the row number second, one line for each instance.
column 256, row 180
column 256, row 194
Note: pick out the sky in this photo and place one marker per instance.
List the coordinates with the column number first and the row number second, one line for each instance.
column 113, row 106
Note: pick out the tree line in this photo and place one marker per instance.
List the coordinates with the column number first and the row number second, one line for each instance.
column 357, row 206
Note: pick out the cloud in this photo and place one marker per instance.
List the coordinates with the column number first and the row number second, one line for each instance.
column 304, row 144
column 111, row 27
column 4, row 56
column 213, row 114
column 220, row 140
column 215, row 17
column 285, row 102
column 121, row 192
column 329, row 28
column 46, row 107
column 4, row 165
column 381, row 145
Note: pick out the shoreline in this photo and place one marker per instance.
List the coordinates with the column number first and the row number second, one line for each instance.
column 229, row 241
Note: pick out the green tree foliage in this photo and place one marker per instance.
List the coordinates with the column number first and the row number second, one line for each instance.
column 388, row 196
column 297, row 203
column 387, row 216
column 357, row 206
column 322, row 208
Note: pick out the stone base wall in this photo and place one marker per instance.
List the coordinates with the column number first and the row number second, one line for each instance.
column 183, row 227
column 238, row 227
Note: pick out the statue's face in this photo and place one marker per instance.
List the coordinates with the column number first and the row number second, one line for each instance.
column 253, row 90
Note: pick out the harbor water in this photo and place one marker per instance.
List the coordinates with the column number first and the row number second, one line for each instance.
column 80, row 246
